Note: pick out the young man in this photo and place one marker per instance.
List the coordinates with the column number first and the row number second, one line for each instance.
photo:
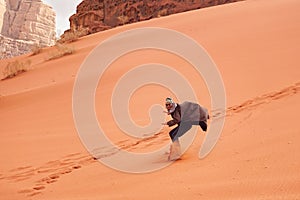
column 184, row 115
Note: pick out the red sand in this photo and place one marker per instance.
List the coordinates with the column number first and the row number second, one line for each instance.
column 255, row 45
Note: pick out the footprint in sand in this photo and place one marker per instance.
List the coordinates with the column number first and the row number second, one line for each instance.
column 65, row 170
column 39, row 187
column 20, row 169
column 54, row 176
column 25, row 191
column 76, row 167
column 72, row 155
column 32, row 192
column 21, row 176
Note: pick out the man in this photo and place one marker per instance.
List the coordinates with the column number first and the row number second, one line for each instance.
column 184, row 115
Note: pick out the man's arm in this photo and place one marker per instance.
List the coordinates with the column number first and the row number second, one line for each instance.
column 176, row 118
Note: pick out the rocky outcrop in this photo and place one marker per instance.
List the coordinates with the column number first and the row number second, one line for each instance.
column 12, row 47
column 30, row 21
column 2, row 11
column 99, row 15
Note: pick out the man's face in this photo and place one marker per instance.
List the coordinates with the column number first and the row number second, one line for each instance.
column 168, row 106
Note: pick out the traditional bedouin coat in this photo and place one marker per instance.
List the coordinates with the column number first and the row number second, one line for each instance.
column 186, row 115
column 188, row 112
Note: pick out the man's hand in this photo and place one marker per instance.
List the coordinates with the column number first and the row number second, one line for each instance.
column 164, row 123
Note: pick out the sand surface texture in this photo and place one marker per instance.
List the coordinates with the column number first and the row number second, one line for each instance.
column 255, row 45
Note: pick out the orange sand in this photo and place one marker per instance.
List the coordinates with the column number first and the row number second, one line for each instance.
column 255, row 45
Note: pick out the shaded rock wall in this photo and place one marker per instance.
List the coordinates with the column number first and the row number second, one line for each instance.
column 99, row 15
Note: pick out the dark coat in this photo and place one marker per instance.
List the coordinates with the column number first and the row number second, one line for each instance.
column 188, row 112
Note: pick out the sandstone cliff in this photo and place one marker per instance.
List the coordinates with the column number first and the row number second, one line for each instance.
column 2, row 11
column 99, row 15
column 25, row 22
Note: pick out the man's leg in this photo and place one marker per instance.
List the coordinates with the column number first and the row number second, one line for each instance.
column 182, row 129
column 175, row 149
column 173, row 133
column 203, row 125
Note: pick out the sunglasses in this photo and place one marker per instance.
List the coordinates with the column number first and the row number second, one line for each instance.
column 168, row 104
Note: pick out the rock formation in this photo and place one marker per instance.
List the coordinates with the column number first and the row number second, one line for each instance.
column 99, row 15
column 2, row 11
column 25, row 23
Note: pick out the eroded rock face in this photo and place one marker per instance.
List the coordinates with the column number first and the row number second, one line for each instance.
column 2, row 11
column 99, row 15
column 12, row 47
column 30, row 21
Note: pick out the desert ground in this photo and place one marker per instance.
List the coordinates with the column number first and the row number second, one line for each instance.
column 254, row 44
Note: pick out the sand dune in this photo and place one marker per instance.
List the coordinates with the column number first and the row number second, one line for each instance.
column 255, row 45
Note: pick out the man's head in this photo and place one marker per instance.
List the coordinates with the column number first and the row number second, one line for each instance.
column 169, row 103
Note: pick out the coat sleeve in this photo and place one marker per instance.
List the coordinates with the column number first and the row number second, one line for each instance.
column 176, row 118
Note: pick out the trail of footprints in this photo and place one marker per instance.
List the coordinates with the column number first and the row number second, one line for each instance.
column 129, row 145
column 50, row 172
column 257, row 101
